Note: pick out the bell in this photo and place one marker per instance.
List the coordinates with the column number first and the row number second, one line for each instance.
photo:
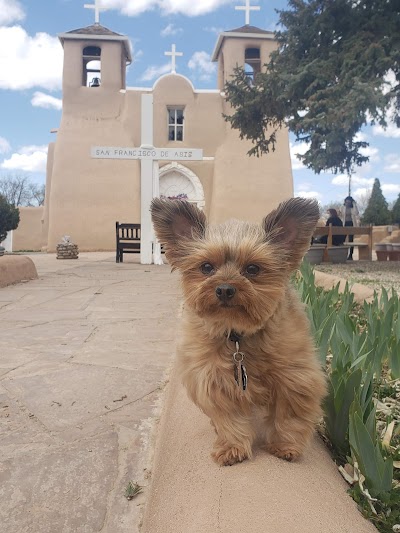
column 95, row 82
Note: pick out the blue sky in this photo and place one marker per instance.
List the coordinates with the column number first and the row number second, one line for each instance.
column 31, row 66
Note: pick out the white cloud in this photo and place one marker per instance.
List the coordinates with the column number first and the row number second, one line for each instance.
column 171, row 29
column 371, row 152
column 298, row 148
column 153, row 72
column 393, row 163
column 361, row 192
column 167, row 7
column 200, row 62
column 45, row 100
column 30, row 61
column 214, row 29
column 309, row 194
column 390, row 188
column 4, row 145
column 10, row 11
column 305, row 186
column 391, row 131
column 343, row 180
column 29, row 159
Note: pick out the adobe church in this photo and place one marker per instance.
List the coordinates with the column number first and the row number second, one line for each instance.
column 118, row 147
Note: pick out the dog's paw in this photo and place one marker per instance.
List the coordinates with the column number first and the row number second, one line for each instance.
column 229, row 456
column 287, row 453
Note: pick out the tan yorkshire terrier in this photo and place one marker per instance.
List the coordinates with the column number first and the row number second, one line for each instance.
column 246, row 348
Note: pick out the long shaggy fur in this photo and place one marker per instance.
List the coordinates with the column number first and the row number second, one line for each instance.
column 286, row 383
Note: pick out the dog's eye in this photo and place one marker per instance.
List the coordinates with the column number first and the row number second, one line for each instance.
column 207, row 268
column 252, row 270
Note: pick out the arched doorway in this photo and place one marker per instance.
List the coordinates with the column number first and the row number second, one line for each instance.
column 177, row 181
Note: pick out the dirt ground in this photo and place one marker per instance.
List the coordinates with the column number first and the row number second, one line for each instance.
column 375, row 274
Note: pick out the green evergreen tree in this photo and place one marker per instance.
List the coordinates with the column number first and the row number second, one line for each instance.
column 377, row 211
column 327, row 78
column 396, row 211
column 9, row 218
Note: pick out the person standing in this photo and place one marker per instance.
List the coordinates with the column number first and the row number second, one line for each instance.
column 351, row 217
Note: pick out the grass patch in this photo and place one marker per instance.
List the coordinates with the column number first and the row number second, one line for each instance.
column 132, row 490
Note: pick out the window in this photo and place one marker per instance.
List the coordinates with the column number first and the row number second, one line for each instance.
column 175, row 123
column 91, row 75
column 252, row 63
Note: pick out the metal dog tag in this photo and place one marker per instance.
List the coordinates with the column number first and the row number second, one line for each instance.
column 244, row 376
column 239, row 370
column 236, row 373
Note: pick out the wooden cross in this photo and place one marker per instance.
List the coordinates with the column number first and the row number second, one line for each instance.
column 247, row 8
column 97, row 9
column 173, row 55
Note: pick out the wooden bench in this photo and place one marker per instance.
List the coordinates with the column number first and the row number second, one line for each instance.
column 364, row 249
column 128, row 240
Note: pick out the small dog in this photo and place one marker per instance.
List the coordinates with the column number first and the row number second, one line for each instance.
column 246, row 342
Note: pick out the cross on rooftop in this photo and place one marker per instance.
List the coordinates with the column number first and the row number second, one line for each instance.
column 97, row 8
column 173, row 55
column 247, row 8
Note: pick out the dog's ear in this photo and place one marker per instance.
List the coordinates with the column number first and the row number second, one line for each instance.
column 291, row 226
column 176, row 224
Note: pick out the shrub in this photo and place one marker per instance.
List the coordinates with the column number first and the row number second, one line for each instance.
column 360, row 348
column 9, row 218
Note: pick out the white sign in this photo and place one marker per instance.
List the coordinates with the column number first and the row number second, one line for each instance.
column 161, row 154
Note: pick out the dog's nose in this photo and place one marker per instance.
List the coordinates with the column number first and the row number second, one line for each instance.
column 225, row 292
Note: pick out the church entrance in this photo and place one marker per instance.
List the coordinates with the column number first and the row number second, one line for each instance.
column 179, row 182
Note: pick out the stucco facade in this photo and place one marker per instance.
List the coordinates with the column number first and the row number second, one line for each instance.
column 30, row 234
column 85, row 196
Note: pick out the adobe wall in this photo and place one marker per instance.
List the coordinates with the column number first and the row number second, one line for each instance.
column 382, row 233
column 247, row 187
column 88, row 195
column 29, row 234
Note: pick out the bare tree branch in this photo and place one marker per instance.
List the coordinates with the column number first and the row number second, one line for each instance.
column 18, row 190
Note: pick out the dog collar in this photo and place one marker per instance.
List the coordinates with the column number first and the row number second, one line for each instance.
column 234, row 336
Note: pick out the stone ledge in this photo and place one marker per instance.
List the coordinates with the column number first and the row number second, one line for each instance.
column 190, row 493
column 16, row 268
column 328, row 281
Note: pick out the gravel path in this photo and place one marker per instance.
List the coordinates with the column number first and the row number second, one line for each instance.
column 375, row 274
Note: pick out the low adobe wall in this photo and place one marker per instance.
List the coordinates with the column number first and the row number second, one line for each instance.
column 29, row 234
column 190, row 493
column 380, row 233
column 16, row 268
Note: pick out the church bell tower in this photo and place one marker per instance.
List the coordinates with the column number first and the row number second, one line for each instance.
column 95, row 59
column 248, row 47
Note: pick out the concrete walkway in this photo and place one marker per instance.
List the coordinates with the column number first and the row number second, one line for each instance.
column 83, row 355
